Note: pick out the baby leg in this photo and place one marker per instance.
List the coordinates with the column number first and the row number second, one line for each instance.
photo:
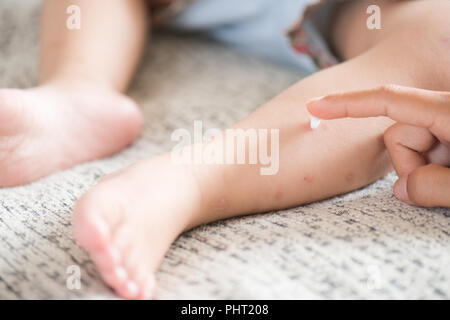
column 78, row 111
column 130, row 219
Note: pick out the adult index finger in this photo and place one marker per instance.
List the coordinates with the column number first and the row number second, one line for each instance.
column 423, row 108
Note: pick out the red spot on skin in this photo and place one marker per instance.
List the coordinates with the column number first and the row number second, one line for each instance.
column 219, row 205
column 446, row 39
column 308, row 178
column 306, row 126
column 278, row 195
column 349, row 177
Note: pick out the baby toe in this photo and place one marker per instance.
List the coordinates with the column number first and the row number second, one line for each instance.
column 144, row 279
column 115, row 278
column 148, row 289
column 129, row 290
column 107, row 259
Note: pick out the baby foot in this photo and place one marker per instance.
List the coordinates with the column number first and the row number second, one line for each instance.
column 46, row 129
column 130, row 219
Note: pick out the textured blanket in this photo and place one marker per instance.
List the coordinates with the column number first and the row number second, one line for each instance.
column 365, row 244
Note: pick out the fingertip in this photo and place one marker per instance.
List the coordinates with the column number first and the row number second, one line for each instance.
column 324, row 108
column 401, row 189
column 311, row 105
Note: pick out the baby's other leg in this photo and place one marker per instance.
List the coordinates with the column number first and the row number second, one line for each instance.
column 104, row 51
column 130, row 219
column 78, row 111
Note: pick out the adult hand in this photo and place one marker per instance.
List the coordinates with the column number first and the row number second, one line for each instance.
column 418, row 143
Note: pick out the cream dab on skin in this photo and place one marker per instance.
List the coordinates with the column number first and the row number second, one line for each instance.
column 315, row 122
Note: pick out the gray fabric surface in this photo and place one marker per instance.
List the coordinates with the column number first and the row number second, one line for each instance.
column 365, row 244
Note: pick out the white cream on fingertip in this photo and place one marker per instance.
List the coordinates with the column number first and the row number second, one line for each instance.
column 314, row 123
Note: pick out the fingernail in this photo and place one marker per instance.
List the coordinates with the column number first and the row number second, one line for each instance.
column 314, row 100
column 401, row 190
column 315, row 122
